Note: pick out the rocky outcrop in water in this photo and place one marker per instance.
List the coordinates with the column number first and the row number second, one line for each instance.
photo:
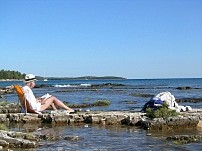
column 184, row 88
column 12, row 139
column 192, row 100
column 171, row 123
column 5, row 91
column 184, row 139
column 17, row 140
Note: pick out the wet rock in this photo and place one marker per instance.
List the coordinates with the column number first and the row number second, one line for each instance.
column 4, row 143
column 106, row 85
column 184, row 88
column 130, row 120
column 142, row 95
column 12, row 139
column 71, row 138
column 46, row 118
column 43, row 85
column 31, row 119
column 9, row 108
column 129, row 102
column 88, row 105
column 173, row 123
column 3, row 118
column 192, row 100
column 23, row 118
column 184, row 139
column 15, row 140
column 143, row 124
column 199, row 125
column 6, row 91
column 80, row 105
column 53, row 138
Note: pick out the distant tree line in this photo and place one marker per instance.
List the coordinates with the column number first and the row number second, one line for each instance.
column 7, row 74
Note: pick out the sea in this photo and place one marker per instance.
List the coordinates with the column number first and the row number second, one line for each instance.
column 124, row 95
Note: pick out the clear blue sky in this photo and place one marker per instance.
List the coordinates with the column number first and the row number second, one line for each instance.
column 127, row 38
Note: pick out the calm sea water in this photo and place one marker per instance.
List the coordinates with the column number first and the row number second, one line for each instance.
column 122, row 97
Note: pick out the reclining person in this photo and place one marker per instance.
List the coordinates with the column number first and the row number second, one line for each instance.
column 40, row 104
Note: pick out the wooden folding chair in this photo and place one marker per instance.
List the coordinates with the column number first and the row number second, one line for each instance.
column 24, row 103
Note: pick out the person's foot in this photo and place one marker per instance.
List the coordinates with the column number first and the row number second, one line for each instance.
column 54, row 112
column 70, row 110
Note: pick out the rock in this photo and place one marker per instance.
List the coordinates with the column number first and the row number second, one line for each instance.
column 6, row 91
column 108, row 85
column 12, row 139
column 29, row 118
column 71, row 138
column 4, row 143
column 178, row 122
column 184, row 88
column 184, row 120
column 199, row 125
column 142, row 95
column 192, row 100
column 9, row 108
column 3, row 118
column 184, row 139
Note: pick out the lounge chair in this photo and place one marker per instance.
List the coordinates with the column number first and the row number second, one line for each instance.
column 24, row 103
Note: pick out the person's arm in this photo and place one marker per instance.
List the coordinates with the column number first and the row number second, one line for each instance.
column 39, row 100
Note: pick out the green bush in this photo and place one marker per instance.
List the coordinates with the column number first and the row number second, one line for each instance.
column 161, row 112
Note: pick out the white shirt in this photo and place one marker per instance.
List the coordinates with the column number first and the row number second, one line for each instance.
column 31, row 99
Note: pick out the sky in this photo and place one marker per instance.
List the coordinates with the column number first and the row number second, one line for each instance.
column 135, row 39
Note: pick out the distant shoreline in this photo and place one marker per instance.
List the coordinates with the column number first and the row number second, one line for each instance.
column 87, row 78
column 11, row 80
column 92, row 78
column 72, row 78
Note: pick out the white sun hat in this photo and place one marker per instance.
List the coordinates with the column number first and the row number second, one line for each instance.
column 29, row 78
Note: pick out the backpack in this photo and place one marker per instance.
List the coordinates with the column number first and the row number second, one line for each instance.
column 154, row 103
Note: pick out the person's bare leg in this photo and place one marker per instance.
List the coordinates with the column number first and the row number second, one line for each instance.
column 56, row 102
column 53, row 106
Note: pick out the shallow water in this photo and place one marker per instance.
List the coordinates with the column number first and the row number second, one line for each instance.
column 105, row 138
column 95, row 137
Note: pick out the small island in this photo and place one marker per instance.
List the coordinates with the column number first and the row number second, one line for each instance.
column 87, row 78
column 10, row 75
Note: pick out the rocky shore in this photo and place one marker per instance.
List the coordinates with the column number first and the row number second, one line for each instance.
column 9, row 114
column 188, row 120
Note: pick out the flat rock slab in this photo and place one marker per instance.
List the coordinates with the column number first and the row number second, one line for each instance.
column 12, row 139
column 184, row 120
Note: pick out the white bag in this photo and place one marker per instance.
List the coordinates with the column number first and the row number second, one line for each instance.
column 168, row 98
